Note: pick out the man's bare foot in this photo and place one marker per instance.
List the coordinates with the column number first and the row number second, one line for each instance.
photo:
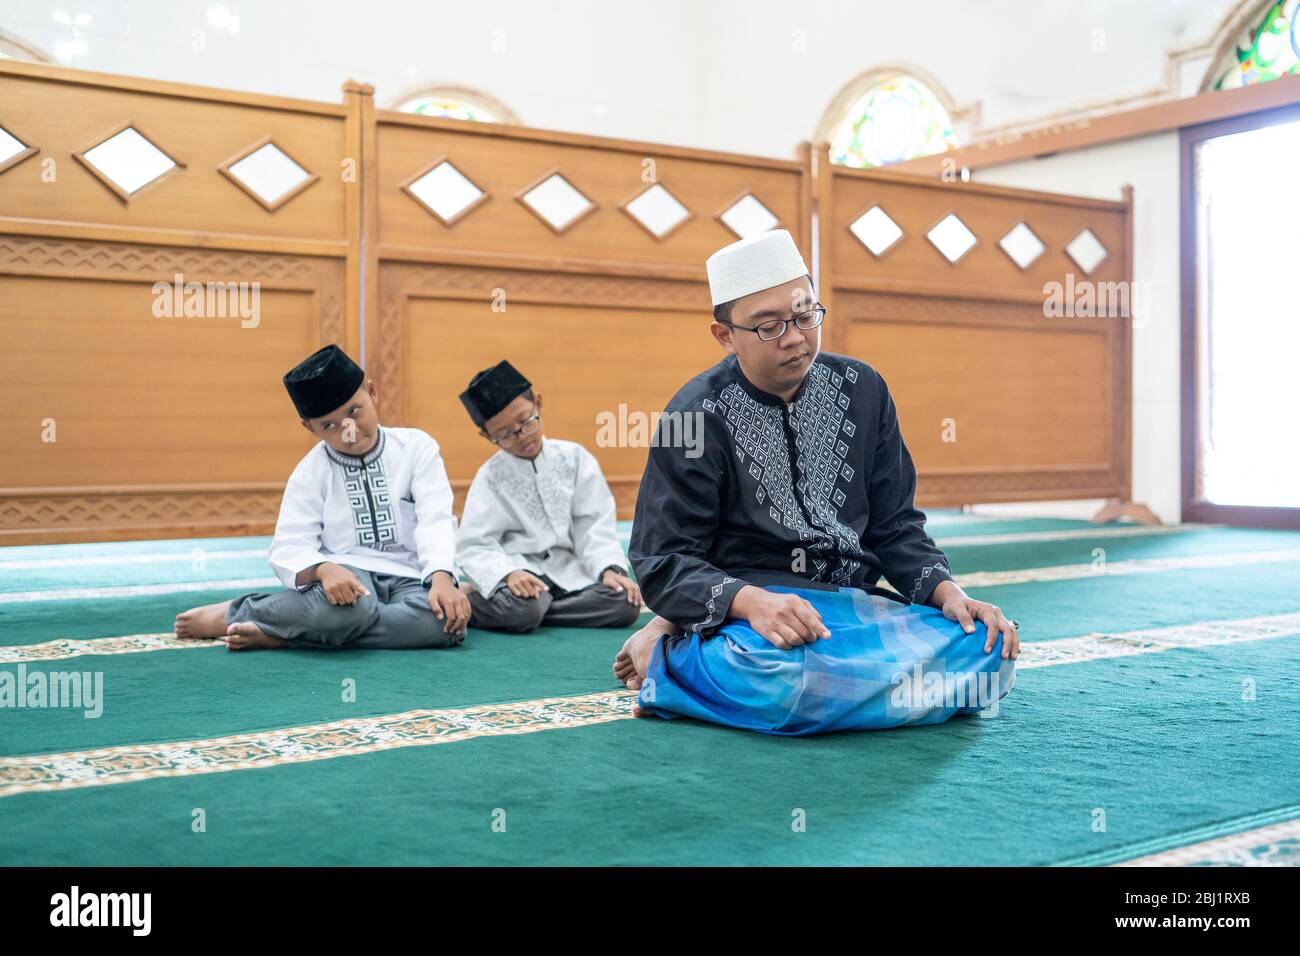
column 632, row 662
column 200, row 622
column 247, row 636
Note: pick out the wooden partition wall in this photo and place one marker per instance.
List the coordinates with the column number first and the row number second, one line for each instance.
column 121, row 422
column 124, row 423
column 998, row 400
column 598, row 315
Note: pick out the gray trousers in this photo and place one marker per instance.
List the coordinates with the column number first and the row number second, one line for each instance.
column 395, row 614
column 593, row 606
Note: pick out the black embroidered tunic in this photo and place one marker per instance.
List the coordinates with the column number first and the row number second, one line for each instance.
column 817, row 490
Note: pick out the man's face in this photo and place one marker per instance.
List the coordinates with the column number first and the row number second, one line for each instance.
column 778, row 366
column 500, row 427
column 352, row 428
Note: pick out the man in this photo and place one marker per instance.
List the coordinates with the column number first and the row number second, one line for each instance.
column 538, row 539
column 759, row 555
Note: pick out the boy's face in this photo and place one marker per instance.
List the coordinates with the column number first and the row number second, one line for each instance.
column 352, row 428
column 513, row 416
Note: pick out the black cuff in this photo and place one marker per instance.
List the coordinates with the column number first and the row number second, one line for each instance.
column 428, row 582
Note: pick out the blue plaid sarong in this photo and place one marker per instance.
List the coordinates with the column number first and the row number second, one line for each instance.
column 885, row 665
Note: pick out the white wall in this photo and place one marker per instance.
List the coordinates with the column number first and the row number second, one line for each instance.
column 1150, row 165
column 747, row 76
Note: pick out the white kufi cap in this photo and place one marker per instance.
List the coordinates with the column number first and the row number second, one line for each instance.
column 754, row 264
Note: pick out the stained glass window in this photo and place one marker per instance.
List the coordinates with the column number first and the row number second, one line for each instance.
column 896, row 119
column 1268, row 49
column 450, row 106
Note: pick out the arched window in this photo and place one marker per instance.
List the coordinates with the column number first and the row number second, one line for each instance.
column 12, row 48
column 1266, row 49
column 454, row 102
column 888, row 116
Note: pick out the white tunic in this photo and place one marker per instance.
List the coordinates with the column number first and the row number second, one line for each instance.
column 553, row 515
column 388, row 512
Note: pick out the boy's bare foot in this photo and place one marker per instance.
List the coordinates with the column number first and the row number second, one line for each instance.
column 206, row 621
column 632, row 662
column 247, row 636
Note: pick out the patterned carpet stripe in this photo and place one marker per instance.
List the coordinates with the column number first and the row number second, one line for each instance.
column 1182, row 562
column 426, row 727
column 1064, row 572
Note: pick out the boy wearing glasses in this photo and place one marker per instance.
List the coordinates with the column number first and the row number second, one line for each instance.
column 760, row 555
column 537, row 539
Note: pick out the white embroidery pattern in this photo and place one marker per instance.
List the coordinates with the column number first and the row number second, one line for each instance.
column 819, row 417
column 711, row 605
column 544, row 496
column 925, row 573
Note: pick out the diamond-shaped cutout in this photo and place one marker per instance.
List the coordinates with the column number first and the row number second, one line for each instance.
column 875, row 230
column 268, row 174
column 1087, row 250
column 12, row 149
column 127, row 161
column 951, row 237
column 657, row 211
column 1022, row 245
column 556, row 201
column 445, row 191
column 748, row 217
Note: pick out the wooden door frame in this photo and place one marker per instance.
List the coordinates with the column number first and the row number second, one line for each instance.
column 1195, row 508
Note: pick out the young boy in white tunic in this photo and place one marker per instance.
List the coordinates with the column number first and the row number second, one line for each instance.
column 537, row 539
column 366, row 538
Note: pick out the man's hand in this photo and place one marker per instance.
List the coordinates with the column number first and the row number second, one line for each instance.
column 340, row 585
column 449, row 603
column 786, row 620
column 620, row 582
column 525, row 584
column 958, row 606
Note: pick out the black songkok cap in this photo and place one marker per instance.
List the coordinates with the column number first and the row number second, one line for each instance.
column 492, row 390
column 323, row 382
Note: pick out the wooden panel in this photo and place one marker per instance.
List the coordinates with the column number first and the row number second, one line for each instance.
column 1017, row 401
column 61, row 118
column 140, row 401
column 984, row 272
column 1040, row 402
column 607, row 172
column 449, row 340
column 98, row 375
column 163, row 425
column 599, row 315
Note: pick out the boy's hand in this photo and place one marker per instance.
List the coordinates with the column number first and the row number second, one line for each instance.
column 449, row 603
column 619, row 582
column 525, row 584
column 786, row 620
column 340, row 585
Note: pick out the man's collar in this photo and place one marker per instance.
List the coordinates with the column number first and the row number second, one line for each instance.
column 767, row 398
column 358, row 461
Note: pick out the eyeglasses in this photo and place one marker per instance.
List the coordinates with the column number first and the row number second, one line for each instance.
column 773, row 329
column 529, row 426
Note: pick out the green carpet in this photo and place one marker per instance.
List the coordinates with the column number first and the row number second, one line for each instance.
column 1152, row 733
